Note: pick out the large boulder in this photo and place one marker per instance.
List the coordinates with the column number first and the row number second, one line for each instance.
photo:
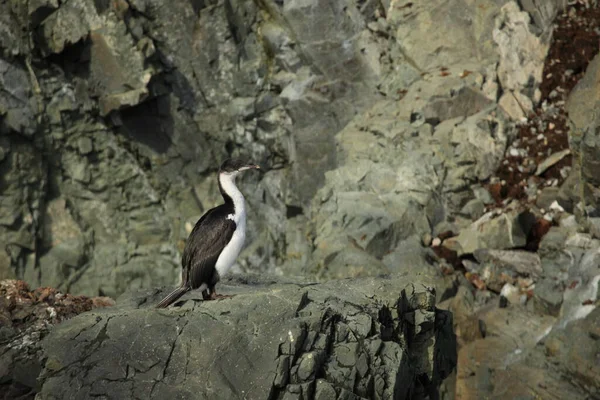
column 371, row 338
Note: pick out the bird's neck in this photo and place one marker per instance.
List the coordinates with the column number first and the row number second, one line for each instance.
column 231, row 194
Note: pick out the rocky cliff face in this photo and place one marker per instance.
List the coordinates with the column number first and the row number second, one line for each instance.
column 115, row 116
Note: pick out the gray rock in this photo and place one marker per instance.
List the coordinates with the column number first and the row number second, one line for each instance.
column 21, row 199
column 522, row 262
column 378, row 198
column 522, row 53
column 463, row 103
column 570, row 192
column 548, row 297
column 550, row 161
column 553, row 241
column 542, row 13
column 581, row 287
column 570, row 270
column 168, row 119
column 17, row 107
column 85, row 145
column 39, row 9
column 311, row 340
column 548, row 196
column 61, row 262
column 62, row 100
column 455, row 41
column 332, row 37
column 582, row 104
column 516, row 105
column 68, row 24
column 444, row 227
column 594, row 227
column 513, row 294
column 474, row 209
column 573, row 349
column 351, row 262
column 504, row 231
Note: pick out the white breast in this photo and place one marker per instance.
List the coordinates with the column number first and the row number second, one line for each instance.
column 232, row 250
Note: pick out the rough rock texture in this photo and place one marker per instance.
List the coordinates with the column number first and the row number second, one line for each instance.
column 367, row 338
column 26, row 317
column 378, row 197
column 584, row 135
column 121, row 111
column 521, row 359
column 497, row 231
column 522, row 60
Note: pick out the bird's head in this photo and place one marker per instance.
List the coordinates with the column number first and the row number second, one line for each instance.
column 234, row 166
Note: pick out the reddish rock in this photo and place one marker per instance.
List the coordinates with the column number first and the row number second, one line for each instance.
column 25, row 318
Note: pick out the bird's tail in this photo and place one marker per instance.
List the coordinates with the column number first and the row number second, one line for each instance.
column 172, row 297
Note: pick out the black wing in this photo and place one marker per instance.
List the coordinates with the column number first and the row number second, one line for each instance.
column 204, row 245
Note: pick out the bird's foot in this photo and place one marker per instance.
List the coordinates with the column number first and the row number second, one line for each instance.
column 215, row 296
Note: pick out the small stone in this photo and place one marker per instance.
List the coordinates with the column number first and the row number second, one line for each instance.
column 511, row 293
column 550, row 161
column 426, row 239
column 556, row 207
column 85, row 145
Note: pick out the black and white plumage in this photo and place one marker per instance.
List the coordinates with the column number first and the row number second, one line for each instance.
column 216, row 240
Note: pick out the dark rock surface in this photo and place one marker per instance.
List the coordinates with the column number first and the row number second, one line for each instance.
column 377, row 338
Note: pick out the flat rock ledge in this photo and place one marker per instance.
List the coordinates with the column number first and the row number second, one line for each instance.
column 376, row 338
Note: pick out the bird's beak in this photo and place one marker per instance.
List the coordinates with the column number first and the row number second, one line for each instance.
column 249, row 166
